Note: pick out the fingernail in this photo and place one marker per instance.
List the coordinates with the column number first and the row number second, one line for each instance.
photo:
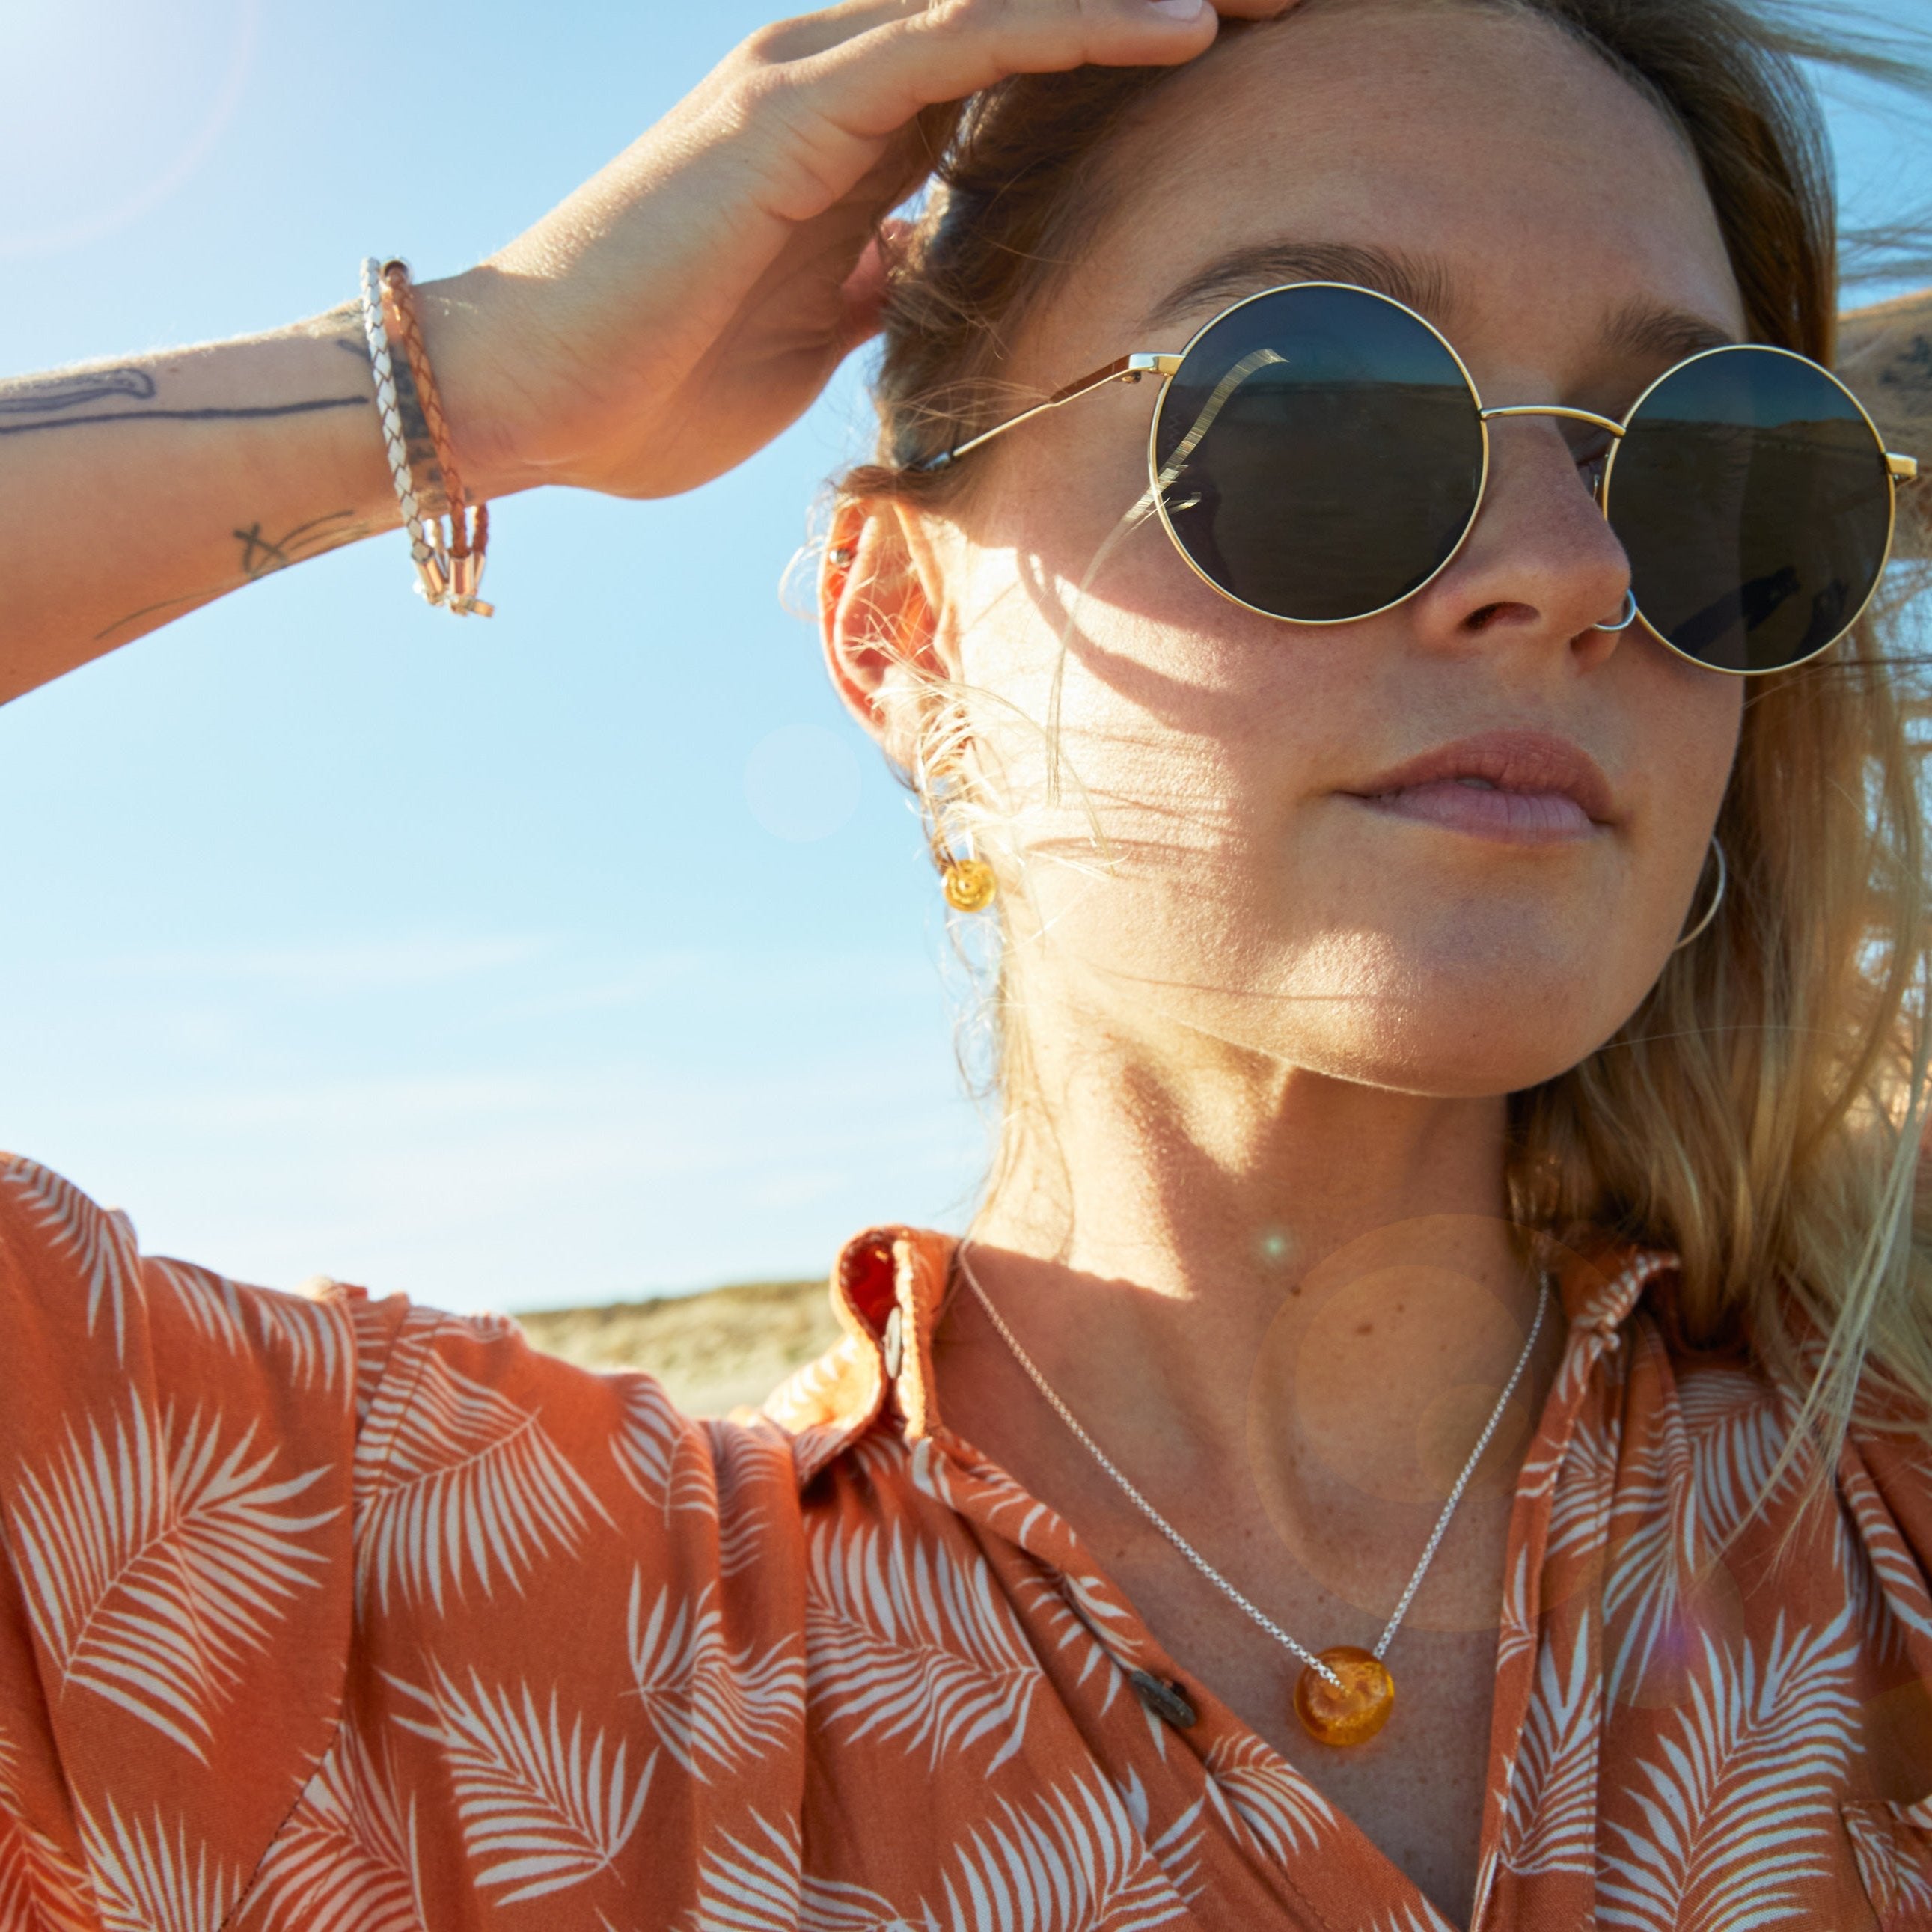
column 1178, row 10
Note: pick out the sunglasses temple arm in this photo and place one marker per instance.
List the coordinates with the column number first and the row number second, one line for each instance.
column 1126, row 369
column 1904, row 469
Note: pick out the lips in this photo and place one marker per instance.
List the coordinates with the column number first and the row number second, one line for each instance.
column 1523, row 787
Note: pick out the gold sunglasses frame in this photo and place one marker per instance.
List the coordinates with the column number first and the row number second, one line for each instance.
column 1162, row 365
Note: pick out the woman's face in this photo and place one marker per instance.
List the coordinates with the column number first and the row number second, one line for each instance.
column 1260, row 884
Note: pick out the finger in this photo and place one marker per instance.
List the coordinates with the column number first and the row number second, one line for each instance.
column 811, row 34
column 869, row 85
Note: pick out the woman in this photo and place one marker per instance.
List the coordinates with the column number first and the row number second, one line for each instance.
column 1459, row 1048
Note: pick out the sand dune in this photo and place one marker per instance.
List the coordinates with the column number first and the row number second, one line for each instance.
column 712, row 1351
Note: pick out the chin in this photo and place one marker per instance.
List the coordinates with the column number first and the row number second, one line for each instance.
column 1489, row 1022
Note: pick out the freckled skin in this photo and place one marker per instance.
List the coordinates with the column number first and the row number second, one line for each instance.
column 1268, row 1012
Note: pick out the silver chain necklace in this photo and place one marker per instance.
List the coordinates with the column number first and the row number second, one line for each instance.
column 1345, row 1694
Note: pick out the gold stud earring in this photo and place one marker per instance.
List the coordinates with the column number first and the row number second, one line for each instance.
column 968, row 883
column 965, row 878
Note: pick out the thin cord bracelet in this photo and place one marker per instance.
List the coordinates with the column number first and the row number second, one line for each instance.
column 432, row 571
column 469, row 538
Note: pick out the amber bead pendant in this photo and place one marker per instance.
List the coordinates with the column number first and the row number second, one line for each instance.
column 1352, row 1712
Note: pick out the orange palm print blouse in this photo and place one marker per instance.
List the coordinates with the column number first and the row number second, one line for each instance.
column 337, row 1614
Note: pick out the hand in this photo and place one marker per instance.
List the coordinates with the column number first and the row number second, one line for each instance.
column 685, row 305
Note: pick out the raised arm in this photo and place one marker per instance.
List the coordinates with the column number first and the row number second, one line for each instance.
column 1884, row 352
column 133, row 491
column 668, row 319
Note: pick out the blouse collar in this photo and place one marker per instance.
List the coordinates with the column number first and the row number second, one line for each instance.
column 890, row 1285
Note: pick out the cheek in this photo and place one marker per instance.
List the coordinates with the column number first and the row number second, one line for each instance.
column 1146, row 713
column 1682, row 737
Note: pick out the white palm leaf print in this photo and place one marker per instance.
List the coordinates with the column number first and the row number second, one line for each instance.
column 751, row 1464
column 1578, row 1510
column 347, row 1862
column 748, row 1887
column 661, row 1454
column 1285, row 1813
column 711, row 1707
column 1424, row 1917
column 1066, row 1612
column 376, row 1341
column 1589, row 1353
column 540, row 1812
column 831, row 1905
column 310, row 1339
column 1897, row 1573
column 100, row 1245
column 1647, row 1531
column 157, row 1554
column 1881, row 1633
column 886, row 1461
column 1733, row 1427
column 1899, row 1885
column 912, row 1643
column 41, row 1888
column 472, row 1489
column 931, row 1471
column 1517, row 1636
column 1069, row 1861
column 1738, row 1426
column 1550, row 1823
column 1179, row 1848
column 1738, row 1806
column 1004, row 1503
column 150, row 1882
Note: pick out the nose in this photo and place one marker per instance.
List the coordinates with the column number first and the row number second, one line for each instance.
column 1541, row 568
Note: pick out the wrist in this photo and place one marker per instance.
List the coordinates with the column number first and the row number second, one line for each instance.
column 471, row 333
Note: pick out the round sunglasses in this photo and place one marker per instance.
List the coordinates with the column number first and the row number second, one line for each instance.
column 1319, row 453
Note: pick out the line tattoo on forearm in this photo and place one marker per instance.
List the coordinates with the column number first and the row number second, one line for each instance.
column 261, row 556
column 264, row 409
column 35, row 395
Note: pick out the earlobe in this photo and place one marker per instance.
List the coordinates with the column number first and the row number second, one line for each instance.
column 877, row 623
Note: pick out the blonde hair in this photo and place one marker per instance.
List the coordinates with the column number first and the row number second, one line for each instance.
column 1762, row 1112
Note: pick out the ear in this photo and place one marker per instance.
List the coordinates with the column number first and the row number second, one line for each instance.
column 878, row 622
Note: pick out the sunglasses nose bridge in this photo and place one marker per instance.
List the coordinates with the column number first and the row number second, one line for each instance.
column 1608, row 423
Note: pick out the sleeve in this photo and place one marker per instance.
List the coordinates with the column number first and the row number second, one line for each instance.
column 176, row 1453
column 577, row 1680
column 326, row 1611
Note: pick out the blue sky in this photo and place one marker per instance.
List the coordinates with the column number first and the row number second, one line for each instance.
column 584, row 953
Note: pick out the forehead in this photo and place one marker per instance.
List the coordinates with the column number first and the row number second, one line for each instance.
column 1544, row 200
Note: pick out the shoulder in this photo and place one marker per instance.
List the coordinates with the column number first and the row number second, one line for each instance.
column 247, row 1533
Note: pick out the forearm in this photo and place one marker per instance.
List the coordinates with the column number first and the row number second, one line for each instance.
column 1884, row 352
column 132, row 491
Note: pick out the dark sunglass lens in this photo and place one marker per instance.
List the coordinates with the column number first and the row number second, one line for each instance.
column 1320, row 452
column 1753, row 502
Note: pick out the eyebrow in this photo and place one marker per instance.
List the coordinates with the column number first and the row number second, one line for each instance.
column 1655, row 329
column 1420, row 282
column 1642, row 327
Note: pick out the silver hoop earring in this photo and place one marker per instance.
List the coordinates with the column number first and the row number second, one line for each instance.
column 1626, row 618
column 1717, row 898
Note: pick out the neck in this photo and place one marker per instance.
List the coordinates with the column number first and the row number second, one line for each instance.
column 1196, row 1244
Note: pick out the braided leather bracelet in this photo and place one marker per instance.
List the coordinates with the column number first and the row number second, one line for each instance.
column 469, row 525
column 432, row 572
